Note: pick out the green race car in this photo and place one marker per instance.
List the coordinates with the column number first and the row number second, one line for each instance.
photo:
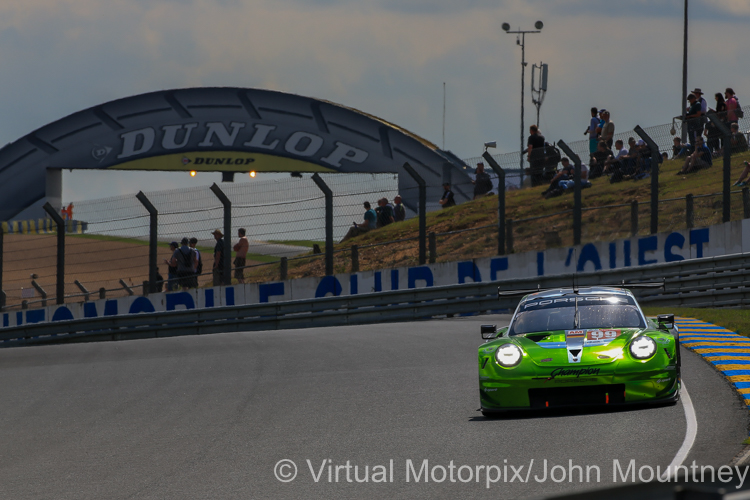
column 573, row 347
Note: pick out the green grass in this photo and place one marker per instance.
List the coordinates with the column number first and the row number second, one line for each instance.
column 736, row 320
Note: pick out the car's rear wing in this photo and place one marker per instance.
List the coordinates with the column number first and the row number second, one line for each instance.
column 646, row 284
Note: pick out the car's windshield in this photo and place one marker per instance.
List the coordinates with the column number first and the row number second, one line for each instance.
column 558, row 313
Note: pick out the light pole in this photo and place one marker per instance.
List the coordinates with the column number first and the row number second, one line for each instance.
column 684, row 72
column 521, row 40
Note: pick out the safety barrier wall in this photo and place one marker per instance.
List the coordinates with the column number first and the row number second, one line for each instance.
column 636, row 258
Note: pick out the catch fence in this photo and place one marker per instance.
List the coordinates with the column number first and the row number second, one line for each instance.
column 109, row 254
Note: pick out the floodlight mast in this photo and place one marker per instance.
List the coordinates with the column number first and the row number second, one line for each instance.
column 521, row 40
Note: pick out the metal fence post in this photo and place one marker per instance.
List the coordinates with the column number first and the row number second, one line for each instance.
column 329, row 221
column 727, row 214
column 500, row 201
column 577, row 223
column 655, row 157
column 634, row 218
column 355, row 259
column 60, row 290
column 509, row 235
column 689, row 211
column 283, row 269
column 41, row 291
column 226, row 276
column 746, row 202
column 153, row 215
column 86, row 293
column 433, row 247
column 422, row 212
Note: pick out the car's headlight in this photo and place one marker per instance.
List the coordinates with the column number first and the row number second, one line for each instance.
column 643, row 347
column 508, row 355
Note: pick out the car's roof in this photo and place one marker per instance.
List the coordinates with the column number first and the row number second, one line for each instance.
column 593, row 290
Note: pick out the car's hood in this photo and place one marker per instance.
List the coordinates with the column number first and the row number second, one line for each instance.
column 571, row 347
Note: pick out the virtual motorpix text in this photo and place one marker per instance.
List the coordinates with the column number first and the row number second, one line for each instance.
column 534, row 471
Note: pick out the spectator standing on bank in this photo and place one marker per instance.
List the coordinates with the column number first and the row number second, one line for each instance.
column 482, row 182
column 199, row 267
column 694, row 116
column 218, row 266
column 171, row 270
column 399, row 211
column 535, row 155
column 608, row 129
column 240, row 248
column 185, row 260
column 732, row 104
column 592, row 131
column 447, row 200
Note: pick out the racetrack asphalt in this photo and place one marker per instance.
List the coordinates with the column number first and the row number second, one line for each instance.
column 211, row 416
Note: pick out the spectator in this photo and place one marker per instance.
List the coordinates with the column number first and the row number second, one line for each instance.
column 742, row 182
column 704, row 105
column 664, row 157
column 399, row 212
column 694, row 115
column 738, row 142
column 199, row 267
column 680, row 150
column 701, row 158
column 482, row 182
column 447, row 201
column 171, row 270
column 608, row 129
column 240, row 256
column 615, row 165
column 218, row 266
column 732, row 105
column 384, row 213
column 592, row 132
column 185, row 260
column 713, row 135
column 566, row 173
column 598, row 159
column 721, row 107
column 535, row 155
column 370, row 222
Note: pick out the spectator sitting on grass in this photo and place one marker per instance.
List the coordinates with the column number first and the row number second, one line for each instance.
column 399, row 212
column 738, row 142
column 564, row 174
column 615, row 164
column 680, row 149
column 742, row 181
column 369, row 223
column 384, row 213
column 597, row 160
column 701, row 158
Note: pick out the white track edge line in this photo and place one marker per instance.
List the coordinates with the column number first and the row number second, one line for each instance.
column 690, row 433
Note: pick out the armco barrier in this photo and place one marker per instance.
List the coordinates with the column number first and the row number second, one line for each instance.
column 708, row 282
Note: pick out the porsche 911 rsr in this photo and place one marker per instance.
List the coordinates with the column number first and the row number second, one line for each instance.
column 570, row 347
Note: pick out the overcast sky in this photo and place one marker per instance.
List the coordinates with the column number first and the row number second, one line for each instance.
column 386, row 57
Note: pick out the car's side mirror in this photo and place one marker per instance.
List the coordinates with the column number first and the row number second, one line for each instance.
column 665, row 321
column 488, row 331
